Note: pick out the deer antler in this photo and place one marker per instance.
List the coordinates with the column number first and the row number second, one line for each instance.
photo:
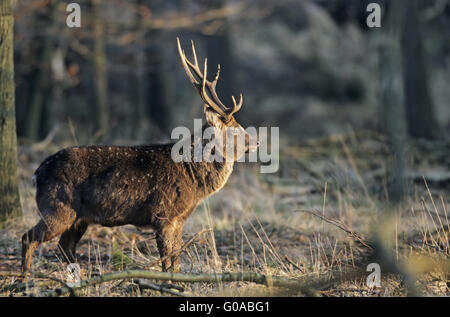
column 206, row 86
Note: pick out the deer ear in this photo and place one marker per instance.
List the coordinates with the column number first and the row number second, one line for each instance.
column 213, row 118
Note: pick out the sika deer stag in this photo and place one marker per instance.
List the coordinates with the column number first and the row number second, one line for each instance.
column 139, row 185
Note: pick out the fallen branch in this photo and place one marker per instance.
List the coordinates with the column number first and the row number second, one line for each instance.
column 40, row 146
column 163, row 288
column 12, row 274
column 19, row 287
column 303, row 285
column 343, row 227
column 187, row 278
column 27, row 275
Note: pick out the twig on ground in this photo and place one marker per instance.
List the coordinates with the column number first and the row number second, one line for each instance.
column 341, row 226
column 293, row 264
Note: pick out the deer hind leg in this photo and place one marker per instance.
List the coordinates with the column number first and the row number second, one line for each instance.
column 51, row 225
column 69, row 239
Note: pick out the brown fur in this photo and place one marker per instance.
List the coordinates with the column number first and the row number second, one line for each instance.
column 114, row 186
column 139, row 185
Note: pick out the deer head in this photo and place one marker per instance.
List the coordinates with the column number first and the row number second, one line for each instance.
column 219, row 116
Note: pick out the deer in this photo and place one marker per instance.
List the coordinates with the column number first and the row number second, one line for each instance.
column 138, row 185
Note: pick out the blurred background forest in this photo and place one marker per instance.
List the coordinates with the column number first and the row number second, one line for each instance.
column 364, row 120
column 310, row 67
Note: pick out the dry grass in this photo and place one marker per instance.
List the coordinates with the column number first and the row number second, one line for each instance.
column 255, row 226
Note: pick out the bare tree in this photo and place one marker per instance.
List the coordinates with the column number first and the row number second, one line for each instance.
column 100, row 72
column 138, row 80
column 158, row 105
column 219, row 47
column 157, row 89
column 418, row 101
column 392, row 100
column 9, row 191
column 41, row 85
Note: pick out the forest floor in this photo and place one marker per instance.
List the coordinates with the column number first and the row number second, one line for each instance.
column 273, row 224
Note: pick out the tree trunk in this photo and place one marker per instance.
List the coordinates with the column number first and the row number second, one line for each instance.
column 392, row 101
column 219, row 51
column 138, row 81
column 157, row 90
column 100, row 75
column 138, row 90
column 9, row 191
column 418, row 101
column 41, row 83
column 157, row 98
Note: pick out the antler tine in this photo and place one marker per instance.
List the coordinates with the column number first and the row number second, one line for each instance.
column 205, row 82
column 212, row 90
column 193, row 53
column 216, row 78
column 205, row 68
column 205, row 85
column 236, row 107
column 205, row 96
column 185, row 62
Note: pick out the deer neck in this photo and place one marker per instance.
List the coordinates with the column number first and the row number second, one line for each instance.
column 213, row 176
column 209, row 176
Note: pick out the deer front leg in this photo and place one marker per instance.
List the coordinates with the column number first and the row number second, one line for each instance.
column 169, row 241
column 178, row 243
